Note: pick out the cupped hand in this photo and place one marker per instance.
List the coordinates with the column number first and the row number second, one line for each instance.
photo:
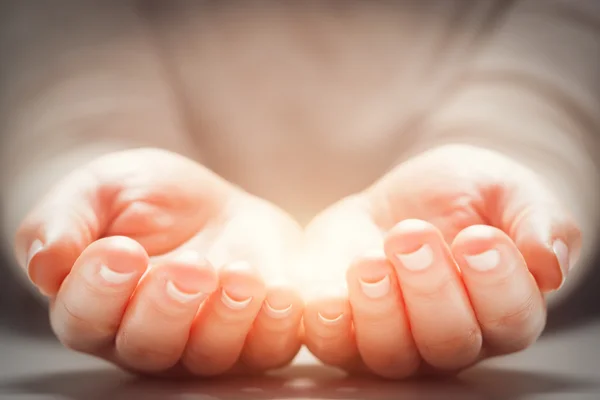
column 156, row 264
column 440, row 264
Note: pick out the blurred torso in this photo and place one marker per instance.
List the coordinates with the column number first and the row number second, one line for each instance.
column 310, row 98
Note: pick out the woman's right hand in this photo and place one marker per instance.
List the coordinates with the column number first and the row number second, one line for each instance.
column 156, row 264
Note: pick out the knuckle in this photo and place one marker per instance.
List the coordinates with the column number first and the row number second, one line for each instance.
column 146, row 355
column 516, row 330
column 454, row 350
column 401, row 363
column 269, row 357
column 336, row 359
column 456, row 342
column 518, row 319
column 506, row 344
column 519, row 344
column 71, row 342
column 207, row 363
column 77, row 332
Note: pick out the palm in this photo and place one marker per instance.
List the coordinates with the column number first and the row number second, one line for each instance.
column 168, row 203
column 453, row 188
column 157, row 199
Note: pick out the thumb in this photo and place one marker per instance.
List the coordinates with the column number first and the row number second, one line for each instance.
column 61, row 226
column 157, row 198
column 541, row 227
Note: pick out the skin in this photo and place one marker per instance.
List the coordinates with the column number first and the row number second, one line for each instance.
column 447, row 315
column 147, row 224
column 156, row 220
column 172, row 181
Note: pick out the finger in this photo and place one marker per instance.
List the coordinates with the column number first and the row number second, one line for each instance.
column 550, row 242
column 334, row 240
column 87, row 312
column 381, row 326
column 156, row 325
column 518, row 202
column 542, row 228
column 219, row 332
column 274, row 340
column 137, row 193
column 328, row 330
column 509, row 306
column 55, row 233
column 443, row 323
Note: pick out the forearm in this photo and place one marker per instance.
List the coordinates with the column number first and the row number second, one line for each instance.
column 533, row 94
column 79, row 80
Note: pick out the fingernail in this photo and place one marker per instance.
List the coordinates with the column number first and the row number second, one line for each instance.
column 179, row 295
column 114, row 277
column 375, row 290
column 418, row 260
column 277, row 313
column 485, row 261
column 562, row 255
column 234, row 304
column 330, row 321
column 34, row 249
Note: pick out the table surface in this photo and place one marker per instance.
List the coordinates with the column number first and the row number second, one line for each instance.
column 565, row 365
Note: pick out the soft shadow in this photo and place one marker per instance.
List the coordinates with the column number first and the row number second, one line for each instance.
column 297, row 382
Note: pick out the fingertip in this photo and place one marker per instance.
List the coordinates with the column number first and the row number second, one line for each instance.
column 328, row 333
column 283, row 303
column 240, row 279
column 29, row 236
column 568, row 245
column 47, row 251
column 193, row 272
column 47, row 265
column 550, row 241
column 543, row 265
column 566, row 251
column 35, row 248
column 561, row 252
column 549, row 262
column 274, row 340
column 328, row 306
